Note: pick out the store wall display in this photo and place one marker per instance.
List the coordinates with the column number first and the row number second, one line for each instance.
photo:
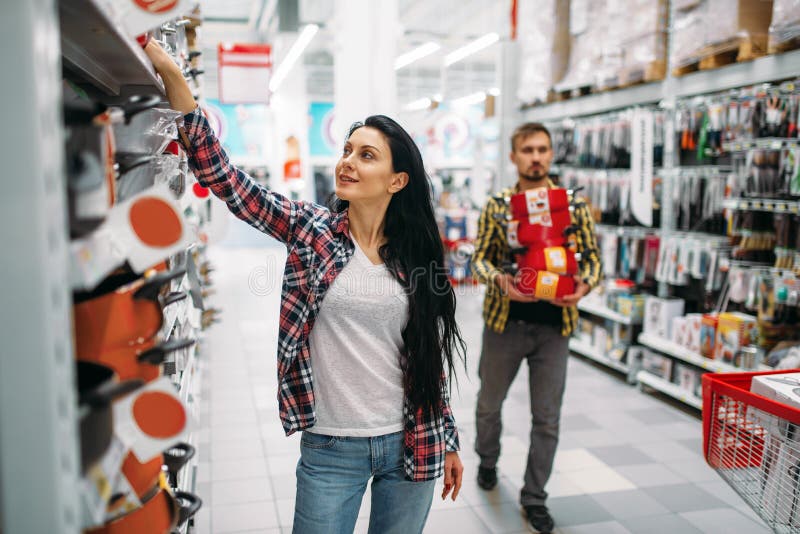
column 140, row 283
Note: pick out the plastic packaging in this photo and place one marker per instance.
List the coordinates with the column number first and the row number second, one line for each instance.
column 148, row 132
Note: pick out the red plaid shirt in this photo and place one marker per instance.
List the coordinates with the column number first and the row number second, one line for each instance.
column 319, row 246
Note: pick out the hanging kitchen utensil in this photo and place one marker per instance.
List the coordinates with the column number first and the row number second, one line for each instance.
column 123, row 318
column 142, row 477
column 159, row 515
column 143, row 360
column 147, row 133
column 98, row 388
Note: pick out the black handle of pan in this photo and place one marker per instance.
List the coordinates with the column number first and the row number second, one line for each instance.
column 188, row 505
column 150, row 289
column 106, row 393
column 156, row 355
column 128, row 162
column 138, row 103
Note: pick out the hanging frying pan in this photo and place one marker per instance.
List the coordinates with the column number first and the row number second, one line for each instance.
column 159, row 515
column 142, row 477
column 126, row 317
column 98, row 388
column 142, row 361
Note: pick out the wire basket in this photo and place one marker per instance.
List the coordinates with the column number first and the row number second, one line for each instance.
column 754, row 444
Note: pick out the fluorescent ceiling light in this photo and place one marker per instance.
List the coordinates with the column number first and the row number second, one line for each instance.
column 419, row 104
column 474, row 98
column 292, row 56
column 418, row 53
column 467, row 50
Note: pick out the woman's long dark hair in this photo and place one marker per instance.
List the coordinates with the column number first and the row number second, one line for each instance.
column 414, row 255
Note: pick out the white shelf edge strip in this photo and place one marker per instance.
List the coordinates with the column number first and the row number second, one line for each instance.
column 669, row 388
column 590, row 352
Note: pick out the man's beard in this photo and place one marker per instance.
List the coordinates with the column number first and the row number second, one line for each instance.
column 535, row 177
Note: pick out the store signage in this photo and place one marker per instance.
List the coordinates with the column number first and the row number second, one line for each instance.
column 641, row 177
column 244, row 73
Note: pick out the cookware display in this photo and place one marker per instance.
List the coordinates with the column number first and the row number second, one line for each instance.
column 137, row 254
column 98, row 388
column 142, row 231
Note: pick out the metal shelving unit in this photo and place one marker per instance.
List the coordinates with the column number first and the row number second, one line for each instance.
column 760, row 70
column 96, row 50
column 762, row 204
column 667, row 387
column 684, row 354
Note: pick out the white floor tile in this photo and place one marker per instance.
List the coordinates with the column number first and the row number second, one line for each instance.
column 599, row 480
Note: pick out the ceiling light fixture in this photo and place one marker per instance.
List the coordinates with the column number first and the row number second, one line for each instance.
column 419, row 104
column 292, row 56
column 418, row 53
column 469, row 100
column 467, row 50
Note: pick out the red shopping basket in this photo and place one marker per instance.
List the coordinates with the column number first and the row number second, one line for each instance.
column 754, row 444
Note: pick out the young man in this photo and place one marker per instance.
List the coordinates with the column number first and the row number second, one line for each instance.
column 518, row 327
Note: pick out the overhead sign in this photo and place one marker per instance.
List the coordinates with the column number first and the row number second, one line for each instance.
column 244, row 73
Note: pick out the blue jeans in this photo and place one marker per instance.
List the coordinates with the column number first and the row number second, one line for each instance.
column 333, row 473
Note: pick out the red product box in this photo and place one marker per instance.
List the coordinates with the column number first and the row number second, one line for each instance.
column 544, row 285
column 558, row 260
column 549, row 232
column 536, row 201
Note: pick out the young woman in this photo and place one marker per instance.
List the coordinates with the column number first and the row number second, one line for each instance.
column 367, row 324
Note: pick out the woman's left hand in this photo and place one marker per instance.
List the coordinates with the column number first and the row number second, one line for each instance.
column 453, row 471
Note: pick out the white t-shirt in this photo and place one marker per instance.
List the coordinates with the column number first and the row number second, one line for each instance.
column 355, row 352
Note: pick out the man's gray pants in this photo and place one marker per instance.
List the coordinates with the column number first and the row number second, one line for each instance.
column 546, row 351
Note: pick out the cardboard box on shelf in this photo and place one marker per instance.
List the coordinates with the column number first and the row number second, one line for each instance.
column 708, row 334
column 678, row 330
column 658, row 314
column 734, row 331
column 694, row 323
column 657, row 364
column 688, row 378
column 601, row 340
column 631, row 306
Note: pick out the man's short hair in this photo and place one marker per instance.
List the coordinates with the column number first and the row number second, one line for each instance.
column 529, row 128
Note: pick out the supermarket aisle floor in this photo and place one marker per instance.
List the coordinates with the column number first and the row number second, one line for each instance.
column 627, row 462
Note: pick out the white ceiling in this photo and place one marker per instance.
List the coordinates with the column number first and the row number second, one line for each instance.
column 451, row 23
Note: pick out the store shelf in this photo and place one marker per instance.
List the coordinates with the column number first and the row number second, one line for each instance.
column 584, row 349
column 595, row 308
column 765, row 69
column 96, row 50
column 667, row 387
column 773, row 143
column 597, row 103
column 762, row 204
column 682, row 353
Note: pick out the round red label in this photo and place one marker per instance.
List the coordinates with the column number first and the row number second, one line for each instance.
column 156, row 6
